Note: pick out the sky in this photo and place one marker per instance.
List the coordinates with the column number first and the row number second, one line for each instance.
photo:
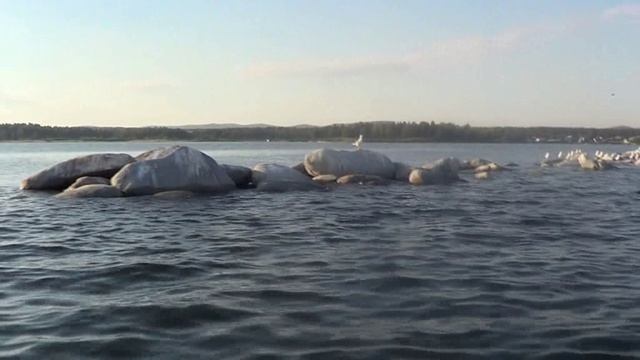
column 483, row 63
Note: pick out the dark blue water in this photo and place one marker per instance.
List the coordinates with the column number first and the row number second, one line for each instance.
column 534, row 263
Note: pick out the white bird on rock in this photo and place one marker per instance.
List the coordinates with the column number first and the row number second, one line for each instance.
column 358, row 143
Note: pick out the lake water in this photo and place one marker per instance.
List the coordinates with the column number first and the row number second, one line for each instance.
column 533, row 263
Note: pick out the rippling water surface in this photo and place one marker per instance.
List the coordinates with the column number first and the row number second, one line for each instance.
column 534, row 263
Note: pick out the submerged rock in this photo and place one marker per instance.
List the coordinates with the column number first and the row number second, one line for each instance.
column 91, row 191
column 240, row 175
column 278, row 178
column 174, row 195
column 172, row 168
column 362, row 180
column 89, row 180
column 341, row 162
column 63, row 174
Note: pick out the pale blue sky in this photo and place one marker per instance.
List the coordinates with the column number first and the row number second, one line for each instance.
column 136, row 63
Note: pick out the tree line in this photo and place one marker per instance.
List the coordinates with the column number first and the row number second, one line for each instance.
column 372, row 132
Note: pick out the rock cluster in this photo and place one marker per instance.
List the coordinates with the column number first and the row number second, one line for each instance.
column 181, row 172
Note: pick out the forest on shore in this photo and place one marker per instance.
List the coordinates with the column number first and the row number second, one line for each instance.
column 372, row 132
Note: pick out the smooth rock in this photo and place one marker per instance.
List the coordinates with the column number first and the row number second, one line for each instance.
column 341, row 162
column 444, row 171
column 63, row 174
column 300, row 167
column 402, row 171
column 362, row 180
column 278, row 178
column 91, row 191
column 325, row 179
column 174, row 195
column 172, row 168
column 89, row 180
column 240, row 175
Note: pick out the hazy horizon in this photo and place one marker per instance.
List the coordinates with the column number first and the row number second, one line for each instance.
column 491, row 63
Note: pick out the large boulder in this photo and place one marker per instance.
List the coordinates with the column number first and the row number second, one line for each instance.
column 240, row 175
column 362, row 180
column 61, row 175
column 172, row 168
column 444, row 171
column 89, row 180
column 340, row 163
column 274, row 177
column 91, row 191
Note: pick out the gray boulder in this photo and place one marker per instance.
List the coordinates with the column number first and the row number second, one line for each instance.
column 63, row 174
column 402, row 171
column 89, row 180
column 444, row 171
column 362, row 180
column 340, row 163
column 300, row 167
column 91, row 191
column 172, row 168
column 278, row 178
column 240, row 175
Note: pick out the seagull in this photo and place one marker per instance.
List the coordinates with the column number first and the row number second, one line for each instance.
column 358, row 143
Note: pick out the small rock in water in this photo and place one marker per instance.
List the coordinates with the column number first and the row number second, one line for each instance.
column 89, row 180
column 362, row 180
column 325, row 179
column 482, row 175
column 91, row 191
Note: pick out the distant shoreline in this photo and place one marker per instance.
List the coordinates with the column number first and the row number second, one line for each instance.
column 390, row 132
